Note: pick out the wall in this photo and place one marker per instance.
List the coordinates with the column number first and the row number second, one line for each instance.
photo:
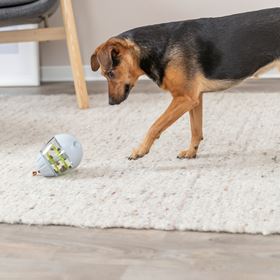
column 98, row 20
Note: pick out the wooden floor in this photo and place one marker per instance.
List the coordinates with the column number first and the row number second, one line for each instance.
column 29, row 252
column 72, row 253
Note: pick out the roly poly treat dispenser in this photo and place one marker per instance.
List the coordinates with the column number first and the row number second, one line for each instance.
column 61, row 154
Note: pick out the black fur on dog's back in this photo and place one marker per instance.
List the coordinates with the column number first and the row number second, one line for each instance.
column 225, row 48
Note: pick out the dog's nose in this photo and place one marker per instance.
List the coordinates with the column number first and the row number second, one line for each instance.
column 111, row 101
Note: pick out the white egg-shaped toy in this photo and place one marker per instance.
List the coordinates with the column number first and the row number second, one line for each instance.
column 61, row 154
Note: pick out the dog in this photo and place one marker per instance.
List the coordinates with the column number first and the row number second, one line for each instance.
column 189, row 58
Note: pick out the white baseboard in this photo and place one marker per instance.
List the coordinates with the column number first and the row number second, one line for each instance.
column 64, row 73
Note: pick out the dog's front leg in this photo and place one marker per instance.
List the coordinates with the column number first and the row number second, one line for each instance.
column 196, row 129
column 178, row 107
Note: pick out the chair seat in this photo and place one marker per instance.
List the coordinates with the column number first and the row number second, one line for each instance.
column 25, row 11
column 12, row 3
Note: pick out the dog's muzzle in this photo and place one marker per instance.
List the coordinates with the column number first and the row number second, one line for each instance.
column 114, row 101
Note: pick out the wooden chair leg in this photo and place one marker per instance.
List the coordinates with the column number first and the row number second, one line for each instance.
column 74, row 53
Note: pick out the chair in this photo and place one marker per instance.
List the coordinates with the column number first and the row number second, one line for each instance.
column 14, row 12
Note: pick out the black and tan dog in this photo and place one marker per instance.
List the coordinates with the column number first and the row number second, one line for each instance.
column 189, row 58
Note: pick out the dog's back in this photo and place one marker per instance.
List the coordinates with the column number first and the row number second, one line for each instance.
column 225, row 48
column 242, row 43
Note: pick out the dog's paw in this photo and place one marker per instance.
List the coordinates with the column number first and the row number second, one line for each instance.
column 190, row 153
column 137, row 153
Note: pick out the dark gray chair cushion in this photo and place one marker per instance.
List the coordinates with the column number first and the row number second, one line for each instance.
column 28, row 12
column 11, row 3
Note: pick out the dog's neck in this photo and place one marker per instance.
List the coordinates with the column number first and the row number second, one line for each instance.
column 151, row 57
column 151, row 66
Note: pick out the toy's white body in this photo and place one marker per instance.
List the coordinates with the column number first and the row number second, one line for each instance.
column 61, row 154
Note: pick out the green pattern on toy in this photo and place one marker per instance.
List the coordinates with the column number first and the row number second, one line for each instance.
column 56, row 157
column 62, row 153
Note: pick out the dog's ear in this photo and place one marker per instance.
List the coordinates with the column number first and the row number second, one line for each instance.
column 94, row 62
column 108, row 57
column 115, row 56
column 109, row 53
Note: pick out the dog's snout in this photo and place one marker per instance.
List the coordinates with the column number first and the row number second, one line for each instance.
column 115, row 99
column 112, row 101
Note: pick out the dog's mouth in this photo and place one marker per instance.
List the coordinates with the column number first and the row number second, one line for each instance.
column 127, row 89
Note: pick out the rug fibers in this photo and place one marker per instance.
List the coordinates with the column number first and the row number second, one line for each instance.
column 232, row 186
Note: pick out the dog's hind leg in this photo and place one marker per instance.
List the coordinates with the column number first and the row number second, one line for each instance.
column 196, row 130
column 178, row 107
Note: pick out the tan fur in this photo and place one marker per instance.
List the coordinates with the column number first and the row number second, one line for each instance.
column 207, row 85
column 127, row 72
column 175, row 80
column 196, row 116
column 185, row 98
column 178, row 107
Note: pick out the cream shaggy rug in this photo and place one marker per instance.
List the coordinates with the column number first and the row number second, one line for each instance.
column 233, row 185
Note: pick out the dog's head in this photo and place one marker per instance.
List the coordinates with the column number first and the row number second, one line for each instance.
column 119, row 62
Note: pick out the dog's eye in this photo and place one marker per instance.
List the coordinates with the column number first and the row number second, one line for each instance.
column 110, row 74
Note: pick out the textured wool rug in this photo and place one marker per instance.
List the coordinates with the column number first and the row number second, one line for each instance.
column 233, row 185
